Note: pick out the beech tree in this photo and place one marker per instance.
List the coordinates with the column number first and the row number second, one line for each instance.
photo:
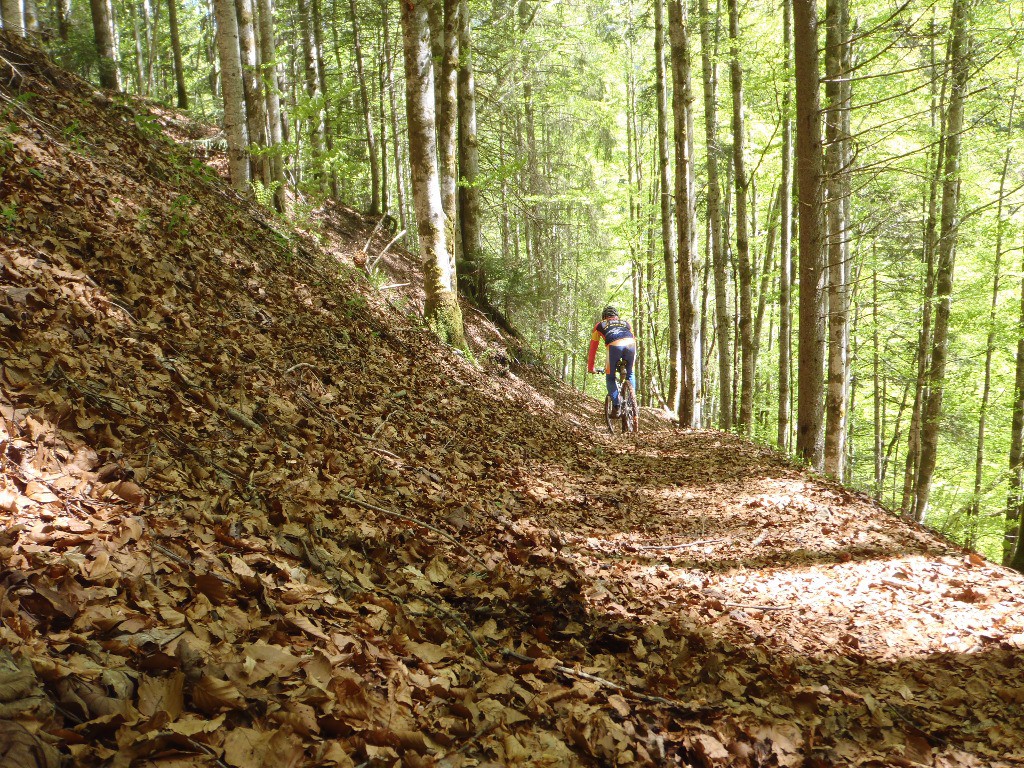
column 442, row 305
column 233, row 92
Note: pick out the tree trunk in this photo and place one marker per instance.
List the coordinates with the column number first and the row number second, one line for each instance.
column 708, row 50
column 106, row 40
column 392, row 101
column 838, row 97
column 321, row 73
column 746, row 341
column 785, row 240
column 234, row 93
column 364, row 98
column 14, row 18
column 909, row 500
column 811, row 342
column 268, row 60
column 990, row 341
column 960, row 61
column 448, row 124
column 311, row 63
column 63, row 8
column 252, row 84
column 442, row 306
column 665, row 197
column 1014, row 497
column 689, row 327
column 179, row 67
column 472, row 267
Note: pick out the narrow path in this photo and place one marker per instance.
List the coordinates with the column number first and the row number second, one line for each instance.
column 818, row 627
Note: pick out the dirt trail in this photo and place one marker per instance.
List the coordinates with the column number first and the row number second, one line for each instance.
column 254, row 514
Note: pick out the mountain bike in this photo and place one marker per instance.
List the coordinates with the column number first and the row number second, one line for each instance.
column 628, row 413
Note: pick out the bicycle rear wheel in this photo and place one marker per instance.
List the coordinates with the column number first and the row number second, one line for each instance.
column 630, row 415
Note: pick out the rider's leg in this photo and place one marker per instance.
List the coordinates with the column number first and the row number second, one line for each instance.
column 614, row 353
column 629, row 355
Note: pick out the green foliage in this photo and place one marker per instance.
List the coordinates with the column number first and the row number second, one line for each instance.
column 264, row 194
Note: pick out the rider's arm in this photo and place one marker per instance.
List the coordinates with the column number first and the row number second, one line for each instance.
column 595, row 339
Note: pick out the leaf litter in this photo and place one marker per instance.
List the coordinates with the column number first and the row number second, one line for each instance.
column 254, row 515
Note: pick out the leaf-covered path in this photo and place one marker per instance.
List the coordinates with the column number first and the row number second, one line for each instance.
column 253, row 514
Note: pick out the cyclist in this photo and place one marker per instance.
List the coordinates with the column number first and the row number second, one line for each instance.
column 621, row 345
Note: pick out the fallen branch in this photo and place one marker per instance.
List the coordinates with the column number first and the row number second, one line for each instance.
column 680, row 546
column 645, row 697
column 413, row 521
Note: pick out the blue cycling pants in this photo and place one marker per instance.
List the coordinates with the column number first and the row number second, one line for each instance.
column 616, row 353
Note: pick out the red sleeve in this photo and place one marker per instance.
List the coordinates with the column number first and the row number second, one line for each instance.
column 595, row 338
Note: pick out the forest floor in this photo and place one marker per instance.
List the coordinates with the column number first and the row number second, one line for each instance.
column 254, row 514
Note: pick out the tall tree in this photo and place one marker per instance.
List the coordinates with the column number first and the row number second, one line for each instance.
column 364, row 98
column 837, row 161
column 708, row 51
column 665, row 199
column 252, row 86
column 179, row 66
column 811, row 339
column 1015, row 496
column 447, row 89
column 311, row 62
column 233, row 92
column 470, row 224
column 106, row 41
column 747, row 353
column 785, row 239
column 442, row 305
column 686, row 217
column 268, row 61
column 960, row 63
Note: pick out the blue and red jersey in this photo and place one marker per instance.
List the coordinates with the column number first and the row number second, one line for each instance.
column 615, row 332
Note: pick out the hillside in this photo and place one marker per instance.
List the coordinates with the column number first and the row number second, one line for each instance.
column 255, row 515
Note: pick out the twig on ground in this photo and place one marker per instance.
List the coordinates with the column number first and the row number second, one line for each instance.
column 413, row 521
column 645, row 697
column 680, row 546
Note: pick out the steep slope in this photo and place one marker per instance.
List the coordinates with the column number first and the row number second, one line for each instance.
column 255, row 515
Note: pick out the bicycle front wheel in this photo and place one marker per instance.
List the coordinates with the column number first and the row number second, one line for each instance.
column 608, row 414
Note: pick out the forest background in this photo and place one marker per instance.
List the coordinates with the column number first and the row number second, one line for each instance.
column 822, row 254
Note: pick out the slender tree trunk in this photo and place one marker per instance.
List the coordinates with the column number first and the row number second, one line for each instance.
column 140, row 56
column 469, row 166
column 746, row 419
column 106, row 40
column 960, row 61
column 63, row 8
column 442, row 305
column 1015, row 497
column 665, row 197
column 811, row 341
column 311, row 63
column 447, row 89
column 838, row 96
column 252, row 84
column 708, row 48
column 990, row 341
column 785, row 239
column 179, row 67
column 321, row 73
column 268, row 59
column 234, row 93
column 909, row 500
column 876, row 378
column 364, row 98
column 392, row 101
column 689, row 325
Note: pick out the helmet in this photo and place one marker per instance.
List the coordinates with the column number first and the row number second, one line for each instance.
column 609, row 311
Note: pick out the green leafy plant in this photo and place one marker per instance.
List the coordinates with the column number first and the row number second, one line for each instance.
column 9, row 215
column 264, row 194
